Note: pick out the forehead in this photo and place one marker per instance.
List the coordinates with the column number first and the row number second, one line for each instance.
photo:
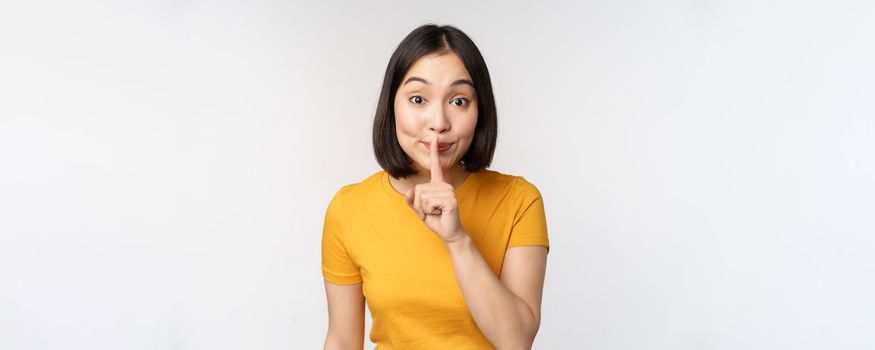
column 441, row 68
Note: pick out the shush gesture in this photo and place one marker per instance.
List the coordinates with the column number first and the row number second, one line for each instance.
column 435, row 201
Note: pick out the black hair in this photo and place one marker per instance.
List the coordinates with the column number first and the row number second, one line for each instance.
column 424, row 40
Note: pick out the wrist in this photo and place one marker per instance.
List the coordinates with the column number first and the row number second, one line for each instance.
column 463, row 240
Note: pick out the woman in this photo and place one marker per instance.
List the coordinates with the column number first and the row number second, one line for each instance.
column 448, row 254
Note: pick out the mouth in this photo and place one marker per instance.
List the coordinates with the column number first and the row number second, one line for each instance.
column 442, row 147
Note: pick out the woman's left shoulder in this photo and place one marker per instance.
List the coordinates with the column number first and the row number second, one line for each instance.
column 517, row 184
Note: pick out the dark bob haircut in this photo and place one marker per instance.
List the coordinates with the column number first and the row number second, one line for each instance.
column 433, row 39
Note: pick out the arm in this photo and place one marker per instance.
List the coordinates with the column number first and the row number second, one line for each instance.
column 507, row 310
column 346, row 316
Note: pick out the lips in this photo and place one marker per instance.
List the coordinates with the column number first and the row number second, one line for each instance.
column 441, row 146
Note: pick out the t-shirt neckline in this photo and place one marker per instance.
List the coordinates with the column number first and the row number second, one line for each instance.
column 398, row 197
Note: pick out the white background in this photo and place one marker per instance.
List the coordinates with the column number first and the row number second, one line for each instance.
column 707, row 166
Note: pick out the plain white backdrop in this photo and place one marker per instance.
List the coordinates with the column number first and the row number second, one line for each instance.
column 707, row 166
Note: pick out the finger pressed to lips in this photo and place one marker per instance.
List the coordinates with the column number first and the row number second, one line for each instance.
column 437, row 172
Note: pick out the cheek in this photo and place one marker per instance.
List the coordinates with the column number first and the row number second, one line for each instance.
column 466, row 126
column 407, row 130
column 405, row 122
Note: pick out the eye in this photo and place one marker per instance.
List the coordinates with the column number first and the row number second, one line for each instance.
column 417, row 99
column 459, row 102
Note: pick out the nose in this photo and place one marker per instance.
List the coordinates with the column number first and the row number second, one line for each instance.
column 438, row 123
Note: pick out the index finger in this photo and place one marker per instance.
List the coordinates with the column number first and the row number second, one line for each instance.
column 437, row 173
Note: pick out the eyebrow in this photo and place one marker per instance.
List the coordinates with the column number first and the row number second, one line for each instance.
column 457, row 82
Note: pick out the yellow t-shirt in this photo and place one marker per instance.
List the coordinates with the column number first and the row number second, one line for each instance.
column 372, row 237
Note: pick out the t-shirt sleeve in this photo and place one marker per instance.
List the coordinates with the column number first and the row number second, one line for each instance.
column 337, row 265
column 530, row 225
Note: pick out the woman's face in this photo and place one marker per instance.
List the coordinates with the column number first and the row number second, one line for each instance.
column 436, row 97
